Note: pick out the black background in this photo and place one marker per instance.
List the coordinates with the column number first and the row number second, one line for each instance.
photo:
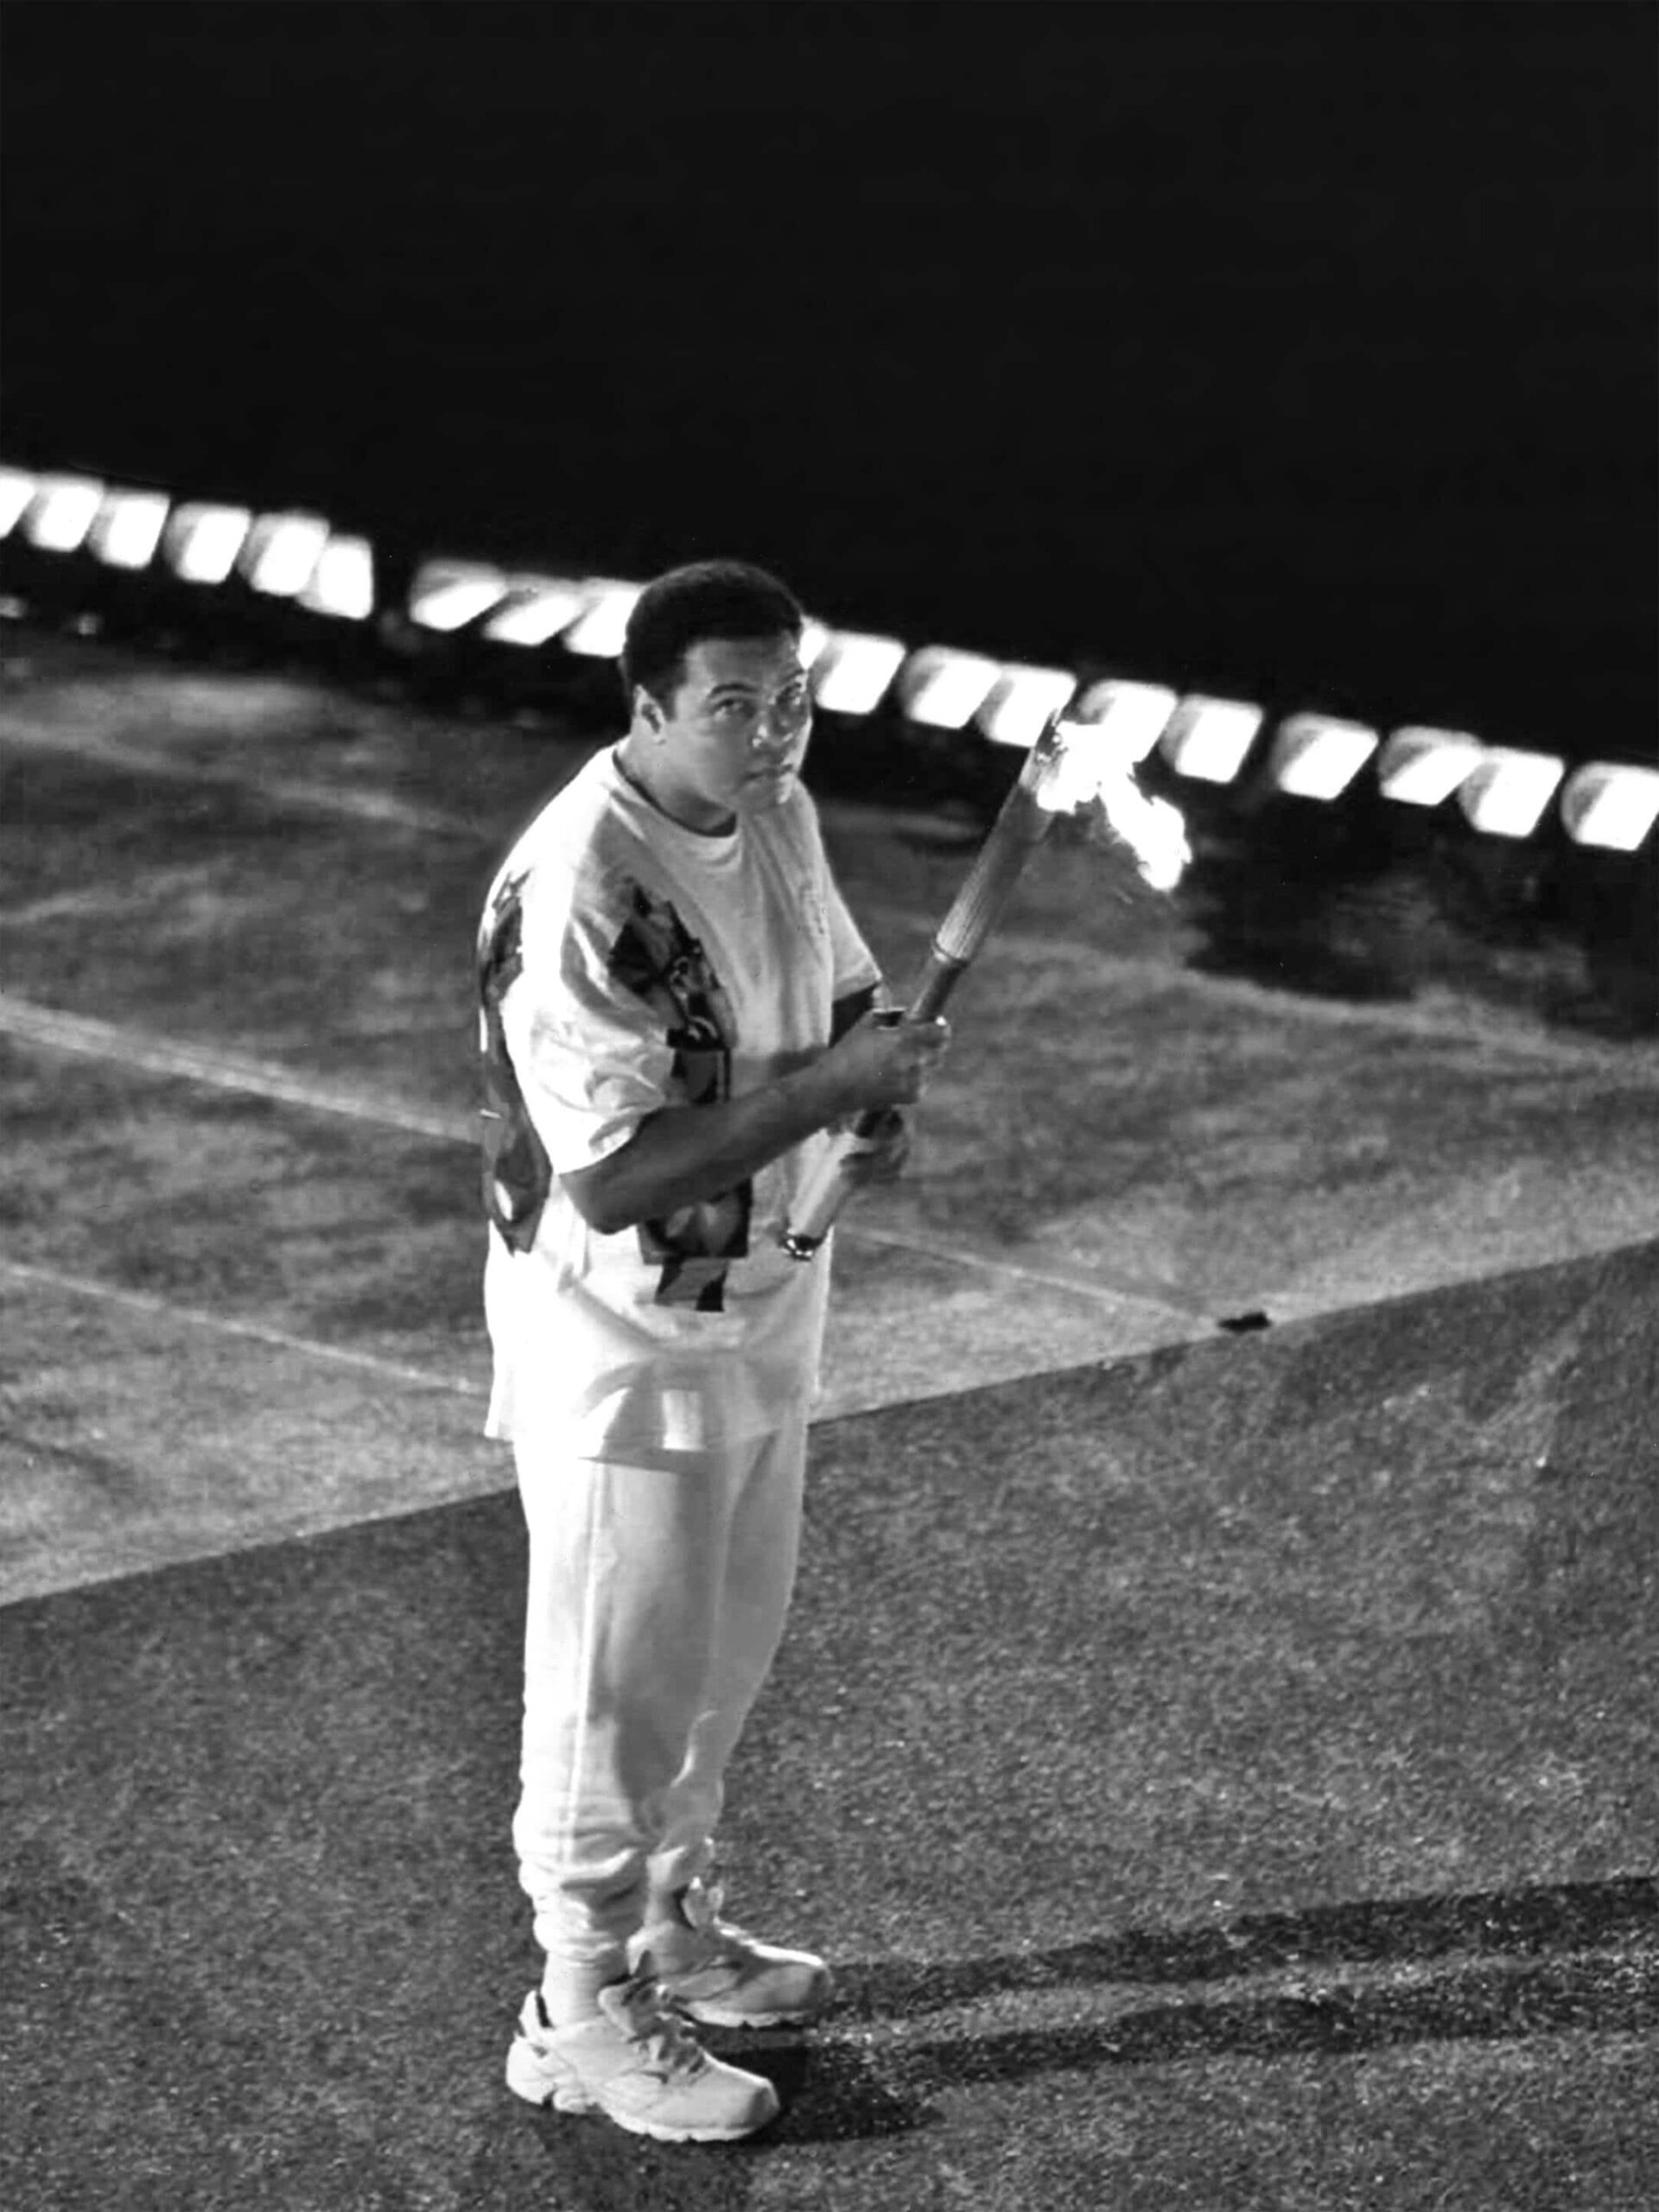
column 1306, row 348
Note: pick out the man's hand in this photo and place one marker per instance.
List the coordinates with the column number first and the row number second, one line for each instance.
column 885, row 1061
column 881, row 1156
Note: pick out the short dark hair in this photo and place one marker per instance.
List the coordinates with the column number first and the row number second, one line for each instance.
column 705, row 599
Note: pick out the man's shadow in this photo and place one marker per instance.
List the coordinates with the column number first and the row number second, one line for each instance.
column 1340, row 1979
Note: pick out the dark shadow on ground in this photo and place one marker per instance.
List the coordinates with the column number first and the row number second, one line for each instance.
column 1574, row 1958
column 1354, row 902
column 1385, row 1932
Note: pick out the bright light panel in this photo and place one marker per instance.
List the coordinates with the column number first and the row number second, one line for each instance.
column 1315, row 756
column 17, row 488
column 448, row 595
column 342, row 584
column 1132, row 715
column 1507, row 793
column 280, row 556
column 1208, row 738
column 128, row 528
column 1610, row 804
column 539, row 608
column 815, row 636
column 1022, row 702
column 852, row 674
column 64, row 510
column 599, row 633
column 945, row 689
column 202, row 541
column 1423, row 768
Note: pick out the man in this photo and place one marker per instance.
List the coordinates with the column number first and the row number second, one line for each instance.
column 676, row 1009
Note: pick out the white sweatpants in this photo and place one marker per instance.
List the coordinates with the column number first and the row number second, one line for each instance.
column 656, row 1599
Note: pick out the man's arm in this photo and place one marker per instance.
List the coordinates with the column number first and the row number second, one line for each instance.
column 685, row 1153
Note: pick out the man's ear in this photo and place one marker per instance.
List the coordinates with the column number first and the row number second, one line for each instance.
column 646, row 710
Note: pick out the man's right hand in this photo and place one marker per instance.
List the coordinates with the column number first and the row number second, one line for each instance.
column 882, row 1061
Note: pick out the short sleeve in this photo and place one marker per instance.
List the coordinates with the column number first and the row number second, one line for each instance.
column 590, row 1054
column 853, row 965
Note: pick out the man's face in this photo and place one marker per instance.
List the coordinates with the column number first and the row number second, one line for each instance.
column 732, row 739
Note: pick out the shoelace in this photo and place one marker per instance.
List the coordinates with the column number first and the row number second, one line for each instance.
column 666, row 2033
column 700, row 1909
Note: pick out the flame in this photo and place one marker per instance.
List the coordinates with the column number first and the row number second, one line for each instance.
column 1084, row 772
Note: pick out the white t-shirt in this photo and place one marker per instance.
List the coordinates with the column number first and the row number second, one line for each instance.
column 629, row 964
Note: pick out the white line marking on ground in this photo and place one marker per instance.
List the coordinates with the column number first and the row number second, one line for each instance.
column 133, row 1048
column 1104, row 1289
column 144, row 1301
column 131, row 756
column 137, row 1048
column 1437, row 1015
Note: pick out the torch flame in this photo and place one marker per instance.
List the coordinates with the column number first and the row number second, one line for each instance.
column 1084, row 771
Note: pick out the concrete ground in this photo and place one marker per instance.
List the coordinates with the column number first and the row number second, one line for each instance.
column 1215, row 1740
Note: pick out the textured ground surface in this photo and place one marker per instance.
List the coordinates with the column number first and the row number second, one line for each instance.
column 1221, row 1764
column 1225, row 1779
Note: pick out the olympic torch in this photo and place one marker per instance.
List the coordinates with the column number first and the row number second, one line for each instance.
column 1072, row 766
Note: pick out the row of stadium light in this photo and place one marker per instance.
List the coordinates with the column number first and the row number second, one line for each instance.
column 299, row 557
column 287, row 555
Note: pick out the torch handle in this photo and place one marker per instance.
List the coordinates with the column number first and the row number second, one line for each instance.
column 1019, row 828
column 933, row 987
column 825, row 1190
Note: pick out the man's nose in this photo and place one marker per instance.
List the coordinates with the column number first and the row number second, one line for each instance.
column 777, row 729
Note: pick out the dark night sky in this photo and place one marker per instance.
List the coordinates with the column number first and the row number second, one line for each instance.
column 1307, row 346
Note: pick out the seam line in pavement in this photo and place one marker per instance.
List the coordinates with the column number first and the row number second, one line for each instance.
column 147, row 1302
column 1105, row 1290
column 133, row 1048
column 135, row 758
column 136, row 1048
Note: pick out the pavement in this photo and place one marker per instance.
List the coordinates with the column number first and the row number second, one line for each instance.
column 1215, row 1737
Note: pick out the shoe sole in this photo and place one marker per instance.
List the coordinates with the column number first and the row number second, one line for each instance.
column 528, row 2076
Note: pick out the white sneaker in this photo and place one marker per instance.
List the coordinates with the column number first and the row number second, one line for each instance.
column 637, row 2061
column 724, row 1977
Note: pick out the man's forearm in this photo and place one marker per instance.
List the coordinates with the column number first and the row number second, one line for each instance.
column 685, row 1153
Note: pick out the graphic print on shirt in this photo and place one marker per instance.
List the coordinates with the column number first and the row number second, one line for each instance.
column 658, row 957
column 517, row 1175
